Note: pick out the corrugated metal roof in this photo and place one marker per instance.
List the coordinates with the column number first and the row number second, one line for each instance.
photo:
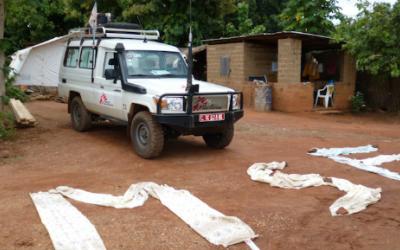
column 272, row 37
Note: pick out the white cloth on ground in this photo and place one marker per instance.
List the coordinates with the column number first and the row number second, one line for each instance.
column 214, row 226
column 327, row 152
column 69, row 229
column 370, row 164
column 357, row 197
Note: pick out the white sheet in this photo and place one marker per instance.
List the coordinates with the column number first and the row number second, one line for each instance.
column 69, row 229
column 369, row 164
column 327, row 152
column 214, row 226
column 357, row 197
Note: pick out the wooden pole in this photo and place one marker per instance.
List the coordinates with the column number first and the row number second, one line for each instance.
column 2, row 57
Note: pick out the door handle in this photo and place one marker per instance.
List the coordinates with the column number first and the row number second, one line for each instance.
column 101, row 86
column 117, row 90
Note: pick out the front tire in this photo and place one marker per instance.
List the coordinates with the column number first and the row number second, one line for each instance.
column 147, row 135
column 81, row 118
column 220, row 140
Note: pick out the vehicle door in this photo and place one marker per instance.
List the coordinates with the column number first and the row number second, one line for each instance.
column 75, row 78
column 108, row 92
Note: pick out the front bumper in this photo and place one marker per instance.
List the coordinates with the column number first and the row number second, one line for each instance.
column 191, row 122
column 188, row 123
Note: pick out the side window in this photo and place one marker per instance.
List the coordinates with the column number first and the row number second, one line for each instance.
column 107, row 60
column 71, row 57
column 86, row 60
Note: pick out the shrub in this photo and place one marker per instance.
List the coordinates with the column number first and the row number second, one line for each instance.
column 358, row 103
column 7, row 125
column 12, row 91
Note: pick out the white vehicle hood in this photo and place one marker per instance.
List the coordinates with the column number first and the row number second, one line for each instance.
column 161, row 86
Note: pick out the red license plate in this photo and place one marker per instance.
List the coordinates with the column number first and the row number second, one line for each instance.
column 211, row 117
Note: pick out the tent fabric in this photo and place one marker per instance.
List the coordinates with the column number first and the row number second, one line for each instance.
column 39, row 65
column 214, row 226
column 369, row 164
column 68, row 228
column 356, row 199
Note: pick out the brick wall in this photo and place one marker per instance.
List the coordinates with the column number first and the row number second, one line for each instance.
column 289, row 60
column 292, row 97
column 235, row 51
column 246, row 59
column 289, row 94
column 258, row 60
column 344, row 89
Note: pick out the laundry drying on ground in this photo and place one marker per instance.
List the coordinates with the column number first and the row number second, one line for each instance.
column 63, row 221
column 356, row 199
column 369, row 164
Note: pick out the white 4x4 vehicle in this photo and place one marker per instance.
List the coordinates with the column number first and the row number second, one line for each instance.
column 142, row 83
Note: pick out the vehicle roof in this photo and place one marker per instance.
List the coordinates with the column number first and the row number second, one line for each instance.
column 129, row 44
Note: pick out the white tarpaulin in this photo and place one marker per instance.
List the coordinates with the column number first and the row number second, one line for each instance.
column 39, row 65
column 356, row 199
column 214, row 226
column 369, row 164
column 69, row 229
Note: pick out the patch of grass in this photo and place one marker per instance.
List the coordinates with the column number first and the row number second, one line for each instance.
column 7, row 125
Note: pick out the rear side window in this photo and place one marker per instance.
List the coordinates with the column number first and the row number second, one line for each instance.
column 71, row 57
column 87, row 58
column 107, row 60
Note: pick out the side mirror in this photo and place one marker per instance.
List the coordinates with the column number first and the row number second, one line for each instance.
column 112, row 61
column 110, row 74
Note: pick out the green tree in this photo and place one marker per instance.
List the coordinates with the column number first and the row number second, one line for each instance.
column 266, row 12
column 242, row 23
column 373, row 38
column 172, row 17
column 312, row 16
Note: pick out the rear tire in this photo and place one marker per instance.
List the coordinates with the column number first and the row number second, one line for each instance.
column 220, row 140
column 147, row 135
column 81, row 118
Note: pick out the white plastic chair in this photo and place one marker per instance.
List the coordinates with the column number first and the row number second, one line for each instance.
column 327, row 96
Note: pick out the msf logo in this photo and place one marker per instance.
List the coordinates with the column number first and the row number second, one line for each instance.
column 201, row 103
column 104, row 100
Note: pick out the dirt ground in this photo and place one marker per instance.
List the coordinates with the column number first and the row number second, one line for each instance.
column 102, row 160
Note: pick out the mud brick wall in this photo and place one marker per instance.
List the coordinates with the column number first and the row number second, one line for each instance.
column 345, row 89
column 246, row 59
column 258, row 60
column 289, row 60
column 235, row 51
column 292, row 97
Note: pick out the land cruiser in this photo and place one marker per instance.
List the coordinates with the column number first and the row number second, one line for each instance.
column 125, row 75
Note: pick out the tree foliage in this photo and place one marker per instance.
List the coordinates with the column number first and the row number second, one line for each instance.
column 374, row 38
column 34, row 21
column 312, row 16
column 266, row 12
column 172, row 17
column 244, row 24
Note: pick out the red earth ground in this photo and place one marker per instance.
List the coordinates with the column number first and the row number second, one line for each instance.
column 102, row 160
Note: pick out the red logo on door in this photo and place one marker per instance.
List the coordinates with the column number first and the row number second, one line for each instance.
column 103, row 99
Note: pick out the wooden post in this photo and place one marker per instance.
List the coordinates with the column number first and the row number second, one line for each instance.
column 2, row 57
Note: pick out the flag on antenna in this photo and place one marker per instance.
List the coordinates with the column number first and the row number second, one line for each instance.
column 93, row 17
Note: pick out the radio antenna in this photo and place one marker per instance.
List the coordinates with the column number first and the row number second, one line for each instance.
column 190, row 52
column 141, row 26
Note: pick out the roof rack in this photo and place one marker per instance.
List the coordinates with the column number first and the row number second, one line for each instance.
column 105, row 32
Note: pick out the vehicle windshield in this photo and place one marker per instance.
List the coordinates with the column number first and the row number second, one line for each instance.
column 155, row 64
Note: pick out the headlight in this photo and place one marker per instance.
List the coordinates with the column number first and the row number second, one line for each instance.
column 172, row 104
column 236, row 101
